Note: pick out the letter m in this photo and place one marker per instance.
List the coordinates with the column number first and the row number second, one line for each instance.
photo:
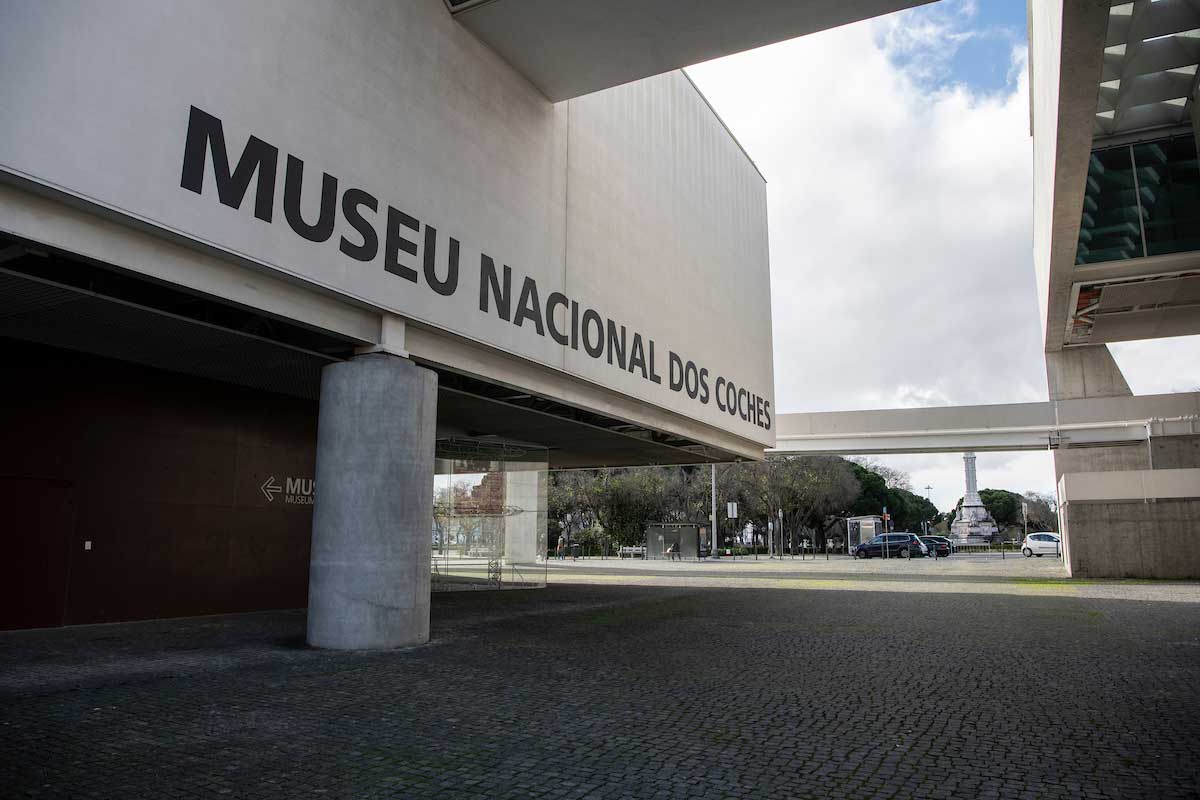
column 292, row 486
column 205, row 133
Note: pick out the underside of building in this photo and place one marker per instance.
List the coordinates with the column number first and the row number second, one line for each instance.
column 270, row 276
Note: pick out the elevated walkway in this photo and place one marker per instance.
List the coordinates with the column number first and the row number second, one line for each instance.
column 1128, row 467
column 1050, row 425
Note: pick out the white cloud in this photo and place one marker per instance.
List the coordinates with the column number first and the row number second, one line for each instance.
column 900, row 214
column 943, row 473
column 900, row 222
column 925, row 42
column 1159, row 366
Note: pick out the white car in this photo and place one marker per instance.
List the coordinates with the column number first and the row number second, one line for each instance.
column 1040, row 544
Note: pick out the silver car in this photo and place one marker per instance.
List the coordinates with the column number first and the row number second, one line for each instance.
column 1041, row 544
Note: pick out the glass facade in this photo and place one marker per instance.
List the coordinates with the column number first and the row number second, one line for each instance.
column 489, row 518
column 1141, row 200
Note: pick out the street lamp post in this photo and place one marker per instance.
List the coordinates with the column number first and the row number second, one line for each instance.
column 731, row 511
column 779, row 548
column 885, row 532
column 712, row 528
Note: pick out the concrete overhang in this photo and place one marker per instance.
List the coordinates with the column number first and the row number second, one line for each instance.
column 1064, row 75
column 1093, row 422
column 1145, row 298
column 569, row 48
column 51, row 300
column 1120, row 73
column 485, row 395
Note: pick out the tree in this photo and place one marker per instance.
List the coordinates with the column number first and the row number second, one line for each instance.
column 1003, row 505
column 892, row 478
column 687, row 491
column 912, row 510
column 571, row 504
column 808, row 489
column 1043, row 511
column 906, row 508
column 620, row 504
column 873, row 493
column 630, row 500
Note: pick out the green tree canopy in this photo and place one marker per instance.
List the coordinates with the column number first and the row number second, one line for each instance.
column 907, row 509
column 1003, row 505
column 1043, row 511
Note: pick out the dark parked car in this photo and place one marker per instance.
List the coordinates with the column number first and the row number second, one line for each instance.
column 937, row 544
column 892, row 545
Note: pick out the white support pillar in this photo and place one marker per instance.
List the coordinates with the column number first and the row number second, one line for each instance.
column 712, row 528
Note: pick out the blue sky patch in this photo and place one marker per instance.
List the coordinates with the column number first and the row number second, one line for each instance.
column 958, row 42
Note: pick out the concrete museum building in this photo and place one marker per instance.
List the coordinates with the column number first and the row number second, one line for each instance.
column 1116, row 252
column 266, row 267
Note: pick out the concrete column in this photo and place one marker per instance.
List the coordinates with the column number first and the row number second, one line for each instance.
column 1081, row 372
column 368, row 582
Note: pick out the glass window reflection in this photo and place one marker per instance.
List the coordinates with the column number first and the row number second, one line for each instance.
column 1109, row 229
column 1168, row 173
column 1140, row 200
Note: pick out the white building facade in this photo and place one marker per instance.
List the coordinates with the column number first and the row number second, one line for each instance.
column 265, row 267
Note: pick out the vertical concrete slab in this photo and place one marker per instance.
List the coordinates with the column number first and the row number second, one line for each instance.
column 1082, row 372
column 526, row 491
column 369, row 573
column 1135, row 539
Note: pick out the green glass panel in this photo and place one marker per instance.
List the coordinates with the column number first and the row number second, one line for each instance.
column 1109, row 227
column 1168, row 171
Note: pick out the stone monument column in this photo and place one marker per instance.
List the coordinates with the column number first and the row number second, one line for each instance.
column 972, row 524
column 971, row 498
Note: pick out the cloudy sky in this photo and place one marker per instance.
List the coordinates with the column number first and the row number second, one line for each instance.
column 899, row 181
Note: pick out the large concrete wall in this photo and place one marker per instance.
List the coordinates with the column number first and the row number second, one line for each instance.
column 1115, row 458
column 635, row 202
column 687, row 196
column 1159, row 539
column 1131, row 523
column 1176, row 452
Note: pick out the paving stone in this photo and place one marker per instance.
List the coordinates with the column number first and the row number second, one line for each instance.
column 587, row 691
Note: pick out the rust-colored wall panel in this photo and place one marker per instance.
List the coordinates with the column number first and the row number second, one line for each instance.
column 35, row 537
column 195, row 495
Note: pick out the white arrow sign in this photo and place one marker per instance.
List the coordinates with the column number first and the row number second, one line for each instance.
column 270, row 489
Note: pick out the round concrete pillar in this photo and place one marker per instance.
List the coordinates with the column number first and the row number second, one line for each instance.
column 368, row 580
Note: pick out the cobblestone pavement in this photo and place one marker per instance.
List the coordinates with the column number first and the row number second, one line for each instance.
column 606, row 691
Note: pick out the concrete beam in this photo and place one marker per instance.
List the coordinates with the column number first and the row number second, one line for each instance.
column 1129, row 486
